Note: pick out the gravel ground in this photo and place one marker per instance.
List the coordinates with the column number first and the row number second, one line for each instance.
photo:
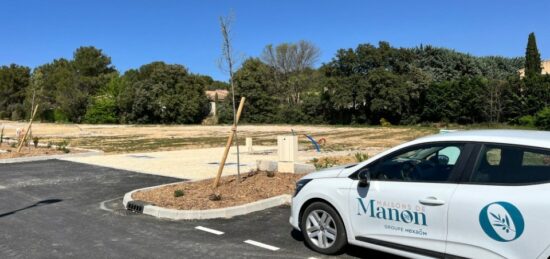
column 253, row 187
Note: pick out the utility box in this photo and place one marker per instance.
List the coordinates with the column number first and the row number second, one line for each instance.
column 287, row 148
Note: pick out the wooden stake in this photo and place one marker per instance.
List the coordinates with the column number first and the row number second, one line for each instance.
column 228, row 144
column 28, row 128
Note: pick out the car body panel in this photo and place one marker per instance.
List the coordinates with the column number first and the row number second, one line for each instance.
column 465, row 234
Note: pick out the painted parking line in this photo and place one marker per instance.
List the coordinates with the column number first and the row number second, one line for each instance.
column 262, row 245
column 209, row 230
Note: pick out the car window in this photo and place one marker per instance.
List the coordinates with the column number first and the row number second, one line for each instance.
column 512, row 165
column 430, row 163
column 452, row 153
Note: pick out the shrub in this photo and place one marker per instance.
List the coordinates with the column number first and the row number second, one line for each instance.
column 384, row 123
column 542, row 119
column 2, row 136
column 360, row 157
column 178, row 193
column 527, row 120
column 63, row 146
column 59, row 116
column 35, row 141
column 101, row 110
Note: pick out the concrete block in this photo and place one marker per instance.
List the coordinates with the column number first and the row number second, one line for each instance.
column 285, row 167
column 304, row 168
column 266, row 165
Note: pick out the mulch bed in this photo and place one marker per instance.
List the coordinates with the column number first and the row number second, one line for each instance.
column 27, row 151
column 254, row 186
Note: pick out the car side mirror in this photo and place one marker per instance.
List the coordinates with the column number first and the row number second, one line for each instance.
column 364, row 178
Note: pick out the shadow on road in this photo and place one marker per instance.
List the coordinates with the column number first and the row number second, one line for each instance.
column 40, row 203
column 351, row 250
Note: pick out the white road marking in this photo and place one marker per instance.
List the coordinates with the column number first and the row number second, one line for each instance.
column 209, row 230
column 262, row 245
column 102, row 204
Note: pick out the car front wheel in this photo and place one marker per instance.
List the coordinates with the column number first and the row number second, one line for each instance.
column 323, row 228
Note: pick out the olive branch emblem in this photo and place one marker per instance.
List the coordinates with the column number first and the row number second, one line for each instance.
column 502, row 222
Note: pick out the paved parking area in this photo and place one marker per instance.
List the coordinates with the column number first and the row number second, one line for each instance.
column 54, row 209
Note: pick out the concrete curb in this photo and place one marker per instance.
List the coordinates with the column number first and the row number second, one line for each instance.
column 229, row 212
column 89, row 152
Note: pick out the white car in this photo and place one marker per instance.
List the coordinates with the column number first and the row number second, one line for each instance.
column 472, row 194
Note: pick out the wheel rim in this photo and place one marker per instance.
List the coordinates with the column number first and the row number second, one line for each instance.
column 321, row 228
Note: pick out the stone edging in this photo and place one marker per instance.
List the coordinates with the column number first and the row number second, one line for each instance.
column 229, row 212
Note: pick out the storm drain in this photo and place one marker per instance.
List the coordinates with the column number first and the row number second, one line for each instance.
column 136, row 206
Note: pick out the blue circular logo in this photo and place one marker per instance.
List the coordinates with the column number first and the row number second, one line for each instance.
column 502, row 221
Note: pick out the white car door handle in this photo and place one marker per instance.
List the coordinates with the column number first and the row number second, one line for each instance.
column 431, row 201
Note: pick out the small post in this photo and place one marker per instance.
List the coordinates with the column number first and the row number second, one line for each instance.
column 28, row 128
column 249, row 145
column 228, row 144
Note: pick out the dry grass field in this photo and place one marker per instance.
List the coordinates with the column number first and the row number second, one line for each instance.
column 141, row 138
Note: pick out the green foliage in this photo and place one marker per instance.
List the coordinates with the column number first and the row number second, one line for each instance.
column 369, row 84
column 326, row 162
column 63, row 146
column 14, row 80
column 527, row 120
column 35, row 141
column 533, row 66
column 178, row 193
column 102, row 109
column 360, row 157
column 384, row 123
column 163, row 93
column 542, row 119
column 254, row 82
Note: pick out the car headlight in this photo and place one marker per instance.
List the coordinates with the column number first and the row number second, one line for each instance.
column 300, row 184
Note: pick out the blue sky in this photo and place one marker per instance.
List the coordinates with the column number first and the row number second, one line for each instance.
column 136, row 32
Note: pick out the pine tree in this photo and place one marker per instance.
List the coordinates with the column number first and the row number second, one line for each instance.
column 532, row 58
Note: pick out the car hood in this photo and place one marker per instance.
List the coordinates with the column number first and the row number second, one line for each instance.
column 328, row 173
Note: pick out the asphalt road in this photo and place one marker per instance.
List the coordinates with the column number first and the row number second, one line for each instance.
column 58, row 209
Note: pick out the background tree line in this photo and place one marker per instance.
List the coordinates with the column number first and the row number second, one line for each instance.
column 365, row 85
column 89, row 89
column 380, row 84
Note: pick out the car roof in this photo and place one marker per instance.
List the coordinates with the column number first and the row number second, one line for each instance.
column 515, row 137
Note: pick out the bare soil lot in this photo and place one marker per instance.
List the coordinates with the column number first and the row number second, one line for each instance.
column 142, row 138
column 253, row 187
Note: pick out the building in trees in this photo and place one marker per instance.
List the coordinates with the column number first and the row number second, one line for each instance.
column 545, row 65
column 214, row 96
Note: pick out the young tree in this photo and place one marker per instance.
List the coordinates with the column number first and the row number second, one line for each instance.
column 228, row 62
column 289, row 60
column 532, row 57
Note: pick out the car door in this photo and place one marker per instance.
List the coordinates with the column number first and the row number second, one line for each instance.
column 502, row 207
column 405, row 205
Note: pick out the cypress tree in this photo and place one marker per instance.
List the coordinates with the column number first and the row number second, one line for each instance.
column 532, row 57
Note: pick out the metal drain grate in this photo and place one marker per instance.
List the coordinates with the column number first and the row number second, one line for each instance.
column 136, row 206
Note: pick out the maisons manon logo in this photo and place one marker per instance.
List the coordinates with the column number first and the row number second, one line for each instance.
column 502, row 221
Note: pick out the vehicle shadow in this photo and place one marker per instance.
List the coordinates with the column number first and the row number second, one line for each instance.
column 351, row 250
column 40, row 203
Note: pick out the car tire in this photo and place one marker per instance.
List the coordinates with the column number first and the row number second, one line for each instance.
column 323, row 229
